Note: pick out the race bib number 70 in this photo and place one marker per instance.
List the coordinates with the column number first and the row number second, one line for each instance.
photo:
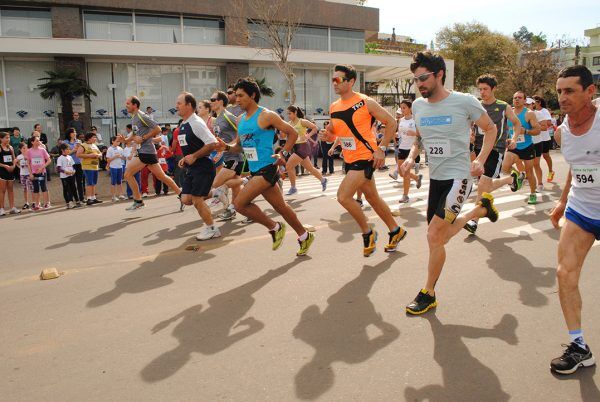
column 586, row 176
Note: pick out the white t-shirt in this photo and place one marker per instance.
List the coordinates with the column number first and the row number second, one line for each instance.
column 127, row 152
column 541, row 116
column 406, row 141
column 23, row 165
column 66, row 164
column 112, row 152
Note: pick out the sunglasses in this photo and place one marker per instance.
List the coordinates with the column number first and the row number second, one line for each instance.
column 229, row 92
column 214, row 99
column 339, row 80
column 421, row 78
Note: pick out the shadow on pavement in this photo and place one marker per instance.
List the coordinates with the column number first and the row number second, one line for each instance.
column 465, row 378
column 339, row 333
column 213, row 329
column 513, row 267
column 181, row 230
column 587, row 385
column 412, row 216
column 345, row 226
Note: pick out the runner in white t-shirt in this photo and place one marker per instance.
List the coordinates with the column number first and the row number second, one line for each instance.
column 542, row 149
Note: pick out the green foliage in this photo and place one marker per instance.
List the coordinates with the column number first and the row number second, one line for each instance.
column 371, row 47
column 528, row 39
column 64, row 84
column 265, row 89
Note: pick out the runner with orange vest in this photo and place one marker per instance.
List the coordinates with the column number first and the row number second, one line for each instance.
column 351, row 119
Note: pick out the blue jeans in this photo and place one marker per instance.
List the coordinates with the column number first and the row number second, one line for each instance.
column 139, row 182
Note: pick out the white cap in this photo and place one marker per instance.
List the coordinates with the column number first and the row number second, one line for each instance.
column 529, row 101
column 398, row 111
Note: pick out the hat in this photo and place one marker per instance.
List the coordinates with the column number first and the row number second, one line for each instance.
column 398, row 111
column 529, row 101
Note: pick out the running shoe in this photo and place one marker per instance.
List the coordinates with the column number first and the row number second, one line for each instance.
column 532, row 199
column 292, row 191
column 517, row 182
column 144, row 195
column 78, row 205
column 247, row 221
column 324, row 183
column 394, row 175
column 487, row 201
column 395, row 237
column 47, row 205
column 550, row 177
column 471, row 226
column 360, row 202
column 369, row 240
column 25, row 206
column 14, row 210
column 305, row 244
column 404, row 199
column 208, row 232
column 278, row 236
column 181, row 204
column 422, row 303
column 122, row 197
column 136, row 205
column 573, row 357
column 69, row 205
column 115, row 199
column 221, row 195
column 539, row 188
column 35, row 207
column 2, row 212
column 97, row 201
column 213, row 202
column 226, row 215
column 417, row 168
column 419, row 181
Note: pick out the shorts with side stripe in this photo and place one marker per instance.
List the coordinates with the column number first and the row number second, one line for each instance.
column 493, row 164
column 447, row 197
column 236, row 166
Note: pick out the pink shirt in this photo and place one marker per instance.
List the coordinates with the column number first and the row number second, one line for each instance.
column 37, row 159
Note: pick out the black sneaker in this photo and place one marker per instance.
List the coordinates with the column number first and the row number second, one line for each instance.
column 471, row 226
column 96, row 201
column 422, row 303
column 360, row 202
column 574, row 357
column 89, row 202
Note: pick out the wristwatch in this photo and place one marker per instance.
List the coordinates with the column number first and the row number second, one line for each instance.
column 285, row 153
column 383, row 148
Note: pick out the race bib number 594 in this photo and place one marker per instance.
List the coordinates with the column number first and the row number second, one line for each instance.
column 586, row 176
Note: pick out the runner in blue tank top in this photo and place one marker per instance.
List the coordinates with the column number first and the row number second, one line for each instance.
column 256, row 131
column 524, row 150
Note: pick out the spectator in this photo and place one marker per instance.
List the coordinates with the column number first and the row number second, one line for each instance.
column 76, row 123
column 74, row 144
column 43, row 137
column 37, row 161
column 7, row 178
column 177, row 156
column 90, row 155
column 327, row 140
column 66, row 171
column 162, row 153
column 16, row 139
column 115, row 159
column 150, row 112
column 129, row 153
column 100, row 142
column 24, row 175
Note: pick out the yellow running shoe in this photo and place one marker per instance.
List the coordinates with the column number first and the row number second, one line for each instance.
column 395, row 237
column 278, row 236
column 305, row 244
column 369, row 241
column 487, row 201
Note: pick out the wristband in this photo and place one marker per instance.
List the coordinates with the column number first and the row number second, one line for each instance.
column 285, row 153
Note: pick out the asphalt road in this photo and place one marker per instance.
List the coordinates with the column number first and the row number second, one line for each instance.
column 137, row 316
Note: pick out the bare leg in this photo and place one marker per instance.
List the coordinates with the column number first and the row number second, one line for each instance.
column 353, row 181
column 309, row 166
column 379, row 206
column 274, row 197
column 134, row 166
column 290, row 168
column 243, row 203
column 159, row 174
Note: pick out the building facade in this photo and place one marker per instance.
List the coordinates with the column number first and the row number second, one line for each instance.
column 155, row 50
column 588, row 56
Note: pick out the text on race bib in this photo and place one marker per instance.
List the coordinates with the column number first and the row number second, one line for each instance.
column 251, row 154
column 37, row 161
column 7, row 158
column 162, row 161
column 348, row 143
column 586, row 176
column 521, row 139
column 439, row 148
column 182, row 141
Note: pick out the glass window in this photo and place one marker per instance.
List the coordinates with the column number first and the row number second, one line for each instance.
column 309, row 38
column 317, row 92
column 201, row 31
column 202, row 81
column 108, row 26
column 347, row 41
column 157, row 29
column 3, row 121
column 596, row 61
column 158, row 87
column 27, row 23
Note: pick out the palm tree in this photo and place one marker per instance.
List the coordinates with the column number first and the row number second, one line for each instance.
column 265, row 89
column 66, row 85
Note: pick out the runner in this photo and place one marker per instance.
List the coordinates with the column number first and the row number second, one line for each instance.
column 524, row 152
column 579, row 133
column 352, row 116
column 197, row 142
column 256, row 129
column 232, row 106
column 443, row 120
column 301, row 151
column 499, row 112
column 407, row 133
column 144, row 131
column 543, row 148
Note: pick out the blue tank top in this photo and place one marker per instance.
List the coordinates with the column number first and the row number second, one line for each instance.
column 527, row 140
column 72, row 145
column 256, row 142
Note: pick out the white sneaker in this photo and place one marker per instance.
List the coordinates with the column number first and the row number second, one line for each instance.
column 145, row 195
column 539, row 188
column 122, row 197
column 208, row 232
column 115, row 199
column 221, row 194
column 2, row 213
column 394, row 175
column 213, row 202
column 15, row 210
column 69, row 205
column 404, row 199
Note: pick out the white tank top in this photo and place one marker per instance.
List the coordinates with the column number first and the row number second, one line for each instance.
column 582, row 153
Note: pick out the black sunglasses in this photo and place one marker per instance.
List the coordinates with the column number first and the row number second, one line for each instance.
column 421, row 78
column 214, row 99
column 229, row 92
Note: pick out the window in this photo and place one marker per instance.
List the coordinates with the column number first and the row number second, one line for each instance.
column 596, row 61
column 347, row 41
column 157, row 29
column 202, row 31
column 309, row 38
column 108, row 26
column 202, row 81
column 26, row 23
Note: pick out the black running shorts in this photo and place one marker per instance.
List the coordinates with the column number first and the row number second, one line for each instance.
column 197, row 182
column 447, row 197
column 366, row 166
column 270, row 173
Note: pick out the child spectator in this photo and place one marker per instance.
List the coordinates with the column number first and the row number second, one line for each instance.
column 90, row 155
column 162, row 153
column 24, row 174
column 115, row 159
column 66, row 170
column 37, row 160
column 8, row 162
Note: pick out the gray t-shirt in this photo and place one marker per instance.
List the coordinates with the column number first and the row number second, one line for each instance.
column 142, row 125
column 445, row 128
column 226, row 129
column 236, row 110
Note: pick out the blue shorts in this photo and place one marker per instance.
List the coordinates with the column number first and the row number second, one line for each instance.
column 220, row 161
column 91, row 177
column 589, row 225
column 116, row 176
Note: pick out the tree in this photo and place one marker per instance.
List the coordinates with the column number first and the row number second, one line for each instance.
column 475, row 50
column 529, row 39
column 66, row 85
column 264, row 88
column 272, row 26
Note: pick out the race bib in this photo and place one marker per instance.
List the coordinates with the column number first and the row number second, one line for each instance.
column 37, row 161
column 7, row 159
column 521, row 139
column 162, row 161
column 439, row 149
column 348, row 143
column 251, row 154
column 182, row 141
column 586, row 176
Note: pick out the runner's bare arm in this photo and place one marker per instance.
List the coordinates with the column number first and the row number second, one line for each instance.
column 233, row 147
column 311, row 128
column 558, row 136
column 409, row 162
column 272, row 119
column 535, row 124
column 559, row 209
column 382, row 115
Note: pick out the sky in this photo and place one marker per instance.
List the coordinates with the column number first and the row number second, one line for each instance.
column 421, row 20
